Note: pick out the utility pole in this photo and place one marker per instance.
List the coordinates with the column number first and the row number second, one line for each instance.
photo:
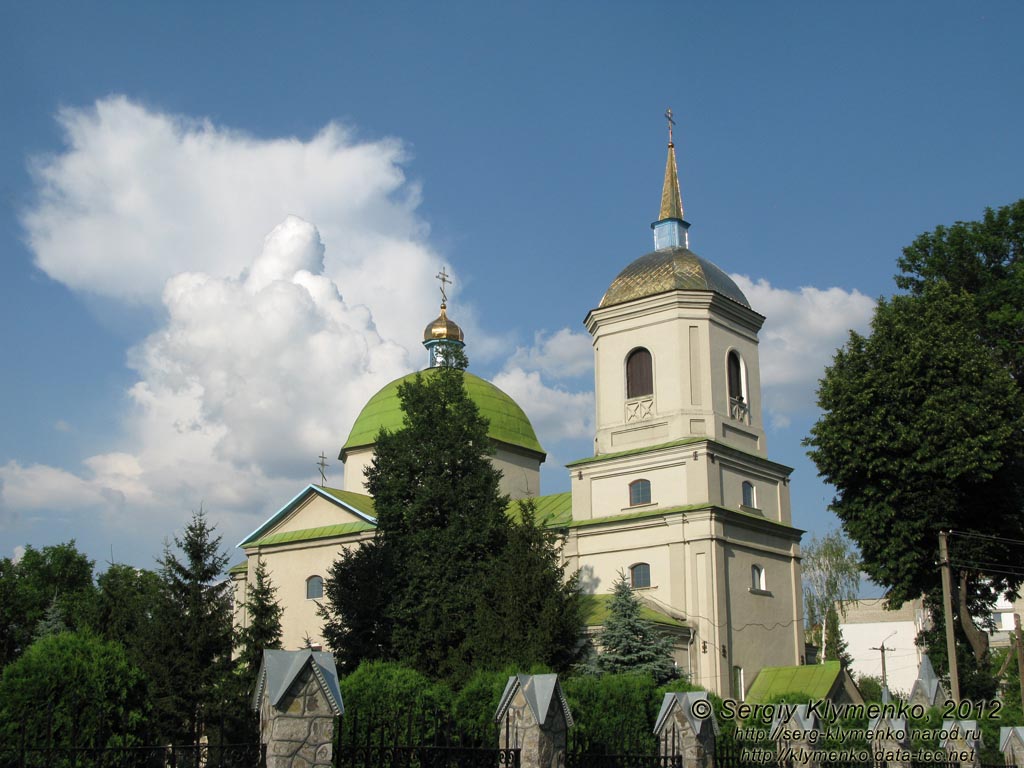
column 947, row 610
column 1020, row 652
column 883, row 649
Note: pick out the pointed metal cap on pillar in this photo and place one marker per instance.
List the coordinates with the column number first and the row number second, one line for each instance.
column 670, row 230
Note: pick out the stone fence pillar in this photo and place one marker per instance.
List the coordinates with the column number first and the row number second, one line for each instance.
column 1011, row 744
column 298, row 697
column 686, row 727
column 890, row 742
column 534, row 717
column 963, row 744
column 794, row 741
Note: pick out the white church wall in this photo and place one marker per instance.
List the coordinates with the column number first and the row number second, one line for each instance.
column 289, row 566
column 316, row 511
column 520, row 474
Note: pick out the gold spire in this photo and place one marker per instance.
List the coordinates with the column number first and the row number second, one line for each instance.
column 671, row 200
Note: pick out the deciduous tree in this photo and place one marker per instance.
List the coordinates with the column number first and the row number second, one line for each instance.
column 921, row 432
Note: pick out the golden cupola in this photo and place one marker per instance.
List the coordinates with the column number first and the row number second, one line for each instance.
column 442, row 331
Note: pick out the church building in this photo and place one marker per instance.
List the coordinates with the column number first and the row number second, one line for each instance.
column 680, row 494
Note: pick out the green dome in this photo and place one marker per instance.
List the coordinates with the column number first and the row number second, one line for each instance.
column 508, row 423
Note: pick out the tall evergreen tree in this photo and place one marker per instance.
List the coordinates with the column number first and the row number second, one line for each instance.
column 263, row 617
column 629, row 643
column 415, row 593
column 195, row 611
column 835, row 644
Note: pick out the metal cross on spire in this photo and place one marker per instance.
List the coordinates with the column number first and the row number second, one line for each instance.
column 671, row 122
column 323, row 465
column 443, row 277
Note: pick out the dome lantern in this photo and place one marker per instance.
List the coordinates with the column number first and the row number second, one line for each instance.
column 441, row 331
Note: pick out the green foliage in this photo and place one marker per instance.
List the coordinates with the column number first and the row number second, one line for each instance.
column 614, row 713
column 474, row 705
column 395, row 700
column 985, row 259
column 631, row 644
column 977, row 679
column 357, row 589
column 831, row 574
column 127, row 604
column 870, row 688
column 75, row 688
column 425, row 590
column 263, row 615
column 526, row 610
column 195, row 612
column 57, row 576
column 835, row 644
column 921, row 432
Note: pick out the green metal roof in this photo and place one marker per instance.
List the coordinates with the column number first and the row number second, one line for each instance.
column 595, row 612
column 810, row 682
column 507, row 421
column 309, row 534
column 242, row 567
column 636, row 451
column 358, row 501
column 359, row 504
column 552, row 511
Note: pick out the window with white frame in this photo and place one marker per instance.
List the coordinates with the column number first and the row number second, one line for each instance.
column 757, row 579
column 749, row 495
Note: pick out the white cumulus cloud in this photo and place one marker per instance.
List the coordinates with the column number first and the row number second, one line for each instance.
column 802, row 331
column 138, row 196
column 561, row 355
column 247, row 381
column 556, row 414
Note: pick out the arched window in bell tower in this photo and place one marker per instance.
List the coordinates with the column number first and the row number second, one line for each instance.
column 739, row 405
column 639, row 373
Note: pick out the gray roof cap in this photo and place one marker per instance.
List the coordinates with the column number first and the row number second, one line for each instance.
column 1006, row 732
column 803, row 719
column 280, row 668
column 968, row 728
column 927, row 686
column 685, row 701
column 538, row 690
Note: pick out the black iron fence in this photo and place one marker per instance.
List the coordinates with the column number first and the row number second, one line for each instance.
column 167, row 756
column 417, row 741
column 582, row 752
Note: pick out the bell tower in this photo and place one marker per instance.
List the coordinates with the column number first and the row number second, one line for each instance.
column 675, row 346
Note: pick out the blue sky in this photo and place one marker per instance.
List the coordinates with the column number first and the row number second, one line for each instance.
column 149, row 149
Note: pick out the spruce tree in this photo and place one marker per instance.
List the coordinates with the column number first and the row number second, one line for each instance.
column 195, row 610
column 629, row 643
column 263, row 613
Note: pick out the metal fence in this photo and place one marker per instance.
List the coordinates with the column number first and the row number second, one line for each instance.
column 417, row 741
column 167, row 756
